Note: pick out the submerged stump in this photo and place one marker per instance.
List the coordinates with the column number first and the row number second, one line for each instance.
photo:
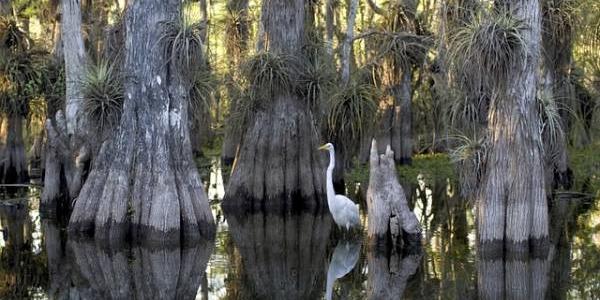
column 388, row 211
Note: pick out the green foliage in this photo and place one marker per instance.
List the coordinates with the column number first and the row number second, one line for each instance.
column 237, row 31
column 54, row 85
column 469, row 156
column 316, row 79
column 268, row 74
column 433, row 167
column 202, row 93
column 352, row 110
column 550, row 118
column 585, row 163
column 404, row 49
column 182, row 44
column 21, row 75
column 487, row 48
column 12, row 37
column 103, row 94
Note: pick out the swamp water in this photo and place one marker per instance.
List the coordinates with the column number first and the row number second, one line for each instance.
column 301, row 256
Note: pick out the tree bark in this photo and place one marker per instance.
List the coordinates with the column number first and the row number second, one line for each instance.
column 144, row 181
column 329, row 25
column 390, row 218
column 67, row 135
column 75, row 64
column 233, row 135
column 278, row 165
column 401, row 131
column 13, row 165
column 512, row 208
column 557, row 38
column 348, row 41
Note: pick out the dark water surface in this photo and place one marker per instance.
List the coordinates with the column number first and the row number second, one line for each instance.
column 300, row 256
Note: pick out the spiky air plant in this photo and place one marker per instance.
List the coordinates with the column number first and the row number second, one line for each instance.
column 103, row 94
column 21, row 76
column 551, row 125
column 236, row 24
column 315, row 80
column 182, row 44
column 486, row 49
column 54, row 86
column 469, row 156
column 268, row 74
column 202, row 93
column 12, row 37
column 558, row 20
column 352, row 110
column 404, row 49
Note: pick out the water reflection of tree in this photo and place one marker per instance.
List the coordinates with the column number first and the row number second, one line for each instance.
column 138, row 272
column 22, row 270
column 521, row 277
column 283, row 256
column 389, row 272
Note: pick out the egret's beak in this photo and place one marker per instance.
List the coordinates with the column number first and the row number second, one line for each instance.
column 324, row 147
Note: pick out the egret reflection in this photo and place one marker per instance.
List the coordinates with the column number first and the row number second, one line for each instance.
column 344, row 259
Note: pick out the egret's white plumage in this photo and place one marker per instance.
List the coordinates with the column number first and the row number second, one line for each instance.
column 343, row 210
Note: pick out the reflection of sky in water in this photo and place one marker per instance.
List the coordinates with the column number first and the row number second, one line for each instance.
column 36, row 231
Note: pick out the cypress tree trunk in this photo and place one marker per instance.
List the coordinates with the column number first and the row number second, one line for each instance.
column 557, row 38
column 278, row 157
column 512, row 208
column 401, row 131
column 144, row 177
column 236, row 51
column 13, row 165
column 67, row 153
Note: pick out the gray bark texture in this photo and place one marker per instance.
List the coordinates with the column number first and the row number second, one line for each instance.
column 388, row 211
column 557, row 38
column 348, row 41
column 67, row 134
column 511, row 201
column 283, row 256
column 64, row 165
column 233, row 135
column 278, row 164
column 144, row 180
column 401, row 131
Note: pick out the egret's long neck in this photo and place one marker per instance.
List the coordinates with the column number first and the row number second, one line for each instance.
column 330, row 190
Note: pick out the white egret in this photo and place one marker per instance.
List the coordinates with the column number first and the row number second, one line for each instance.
column 343, row 210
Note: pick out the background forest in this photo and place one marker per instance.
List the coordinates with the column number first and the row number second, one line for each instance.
column 127, row 111
column 409, row 73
